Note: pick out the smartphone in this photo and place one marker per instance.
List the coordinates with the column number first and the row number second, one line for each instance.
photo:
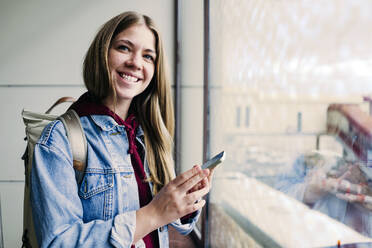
column 213, row 162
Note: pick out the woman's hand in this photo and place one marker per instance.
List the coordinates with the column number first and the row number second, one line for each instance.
column 364, row 201
column 205, row 182
column 354, row 188
column 316, row 182
column 175, row 200
column 179, row 197
column 350, row 186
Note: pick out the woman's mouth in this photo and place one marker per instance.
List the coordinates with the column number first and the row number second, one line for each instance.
column 129, row 77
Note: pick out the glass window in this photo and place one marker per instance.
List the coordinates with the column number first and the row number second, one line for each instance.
column 299, row 122
column 298, row 74
column 238, row 116
column 247, row 116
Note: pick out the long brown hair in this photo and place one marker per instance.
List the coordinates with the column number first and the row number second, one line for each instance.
column 153, row 107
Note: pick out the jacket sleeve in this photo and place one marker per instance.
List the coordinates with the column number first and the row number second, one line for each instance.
column 292, row 182
column 185, row 227
column 56, row 206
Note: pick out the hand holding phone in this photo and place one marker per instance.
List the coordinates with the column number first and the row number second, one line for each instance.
column 213, row 162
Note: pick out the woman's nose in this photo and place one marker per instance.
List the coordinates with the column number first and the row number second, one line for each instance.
column 135, row 61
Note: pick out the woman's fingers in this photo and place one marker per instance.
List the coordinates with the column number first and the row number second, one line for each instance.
column 194, row 207
column 193, row 181
column 180, row 196
column 203, row 183
column 343, row 176
column 180, row 179
column 351, row 197
column 207, row 181
column 210, row 177
column 191, row 198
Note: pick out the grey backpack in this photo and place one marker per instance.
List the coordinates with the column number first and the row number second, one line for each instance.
column 35, row 123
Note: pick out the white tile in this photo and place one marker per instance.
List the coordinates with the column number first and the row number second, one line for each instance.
column 11, row 196
column 192, row 127
column 54, row 55
column 192, row 43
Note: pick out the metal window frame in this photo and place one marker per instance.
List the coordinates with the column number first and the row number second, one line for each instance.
column 1, row 229
column 206, row 118
column 177, row 89
column 200, row 237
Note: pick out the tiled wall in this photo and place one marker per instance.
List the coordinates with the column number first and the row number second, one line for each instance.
column 42, row 49
column 192, row 82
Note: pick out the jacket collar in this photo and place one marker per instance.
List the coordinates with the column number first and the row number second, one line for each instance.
column 107, row 123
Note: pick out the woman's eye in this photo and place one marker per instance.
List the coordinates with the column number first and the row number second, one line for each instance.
column 149, row 57
column 123, row 48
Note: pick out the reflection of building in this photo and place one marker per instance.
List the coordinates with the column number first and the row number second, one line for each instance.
column 253, row 111
column 264, row 132
column 239, row 111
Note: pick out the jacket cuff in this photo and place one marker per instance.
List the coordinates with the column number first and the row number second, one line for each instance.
column 124, row 227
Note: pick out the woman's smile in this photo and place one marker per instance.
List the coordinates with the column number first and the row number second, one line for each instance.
column 130, row 78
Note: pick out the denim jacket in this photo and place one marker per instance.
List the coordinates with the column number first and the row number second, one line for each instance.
column 100, row 209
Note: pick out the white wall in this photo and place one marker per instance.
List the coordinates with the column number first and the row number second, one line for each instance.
column 192, row 72
column 42, row 48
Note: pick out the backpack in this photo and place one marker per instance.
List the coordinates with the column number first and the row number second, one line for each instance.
column 35, row 123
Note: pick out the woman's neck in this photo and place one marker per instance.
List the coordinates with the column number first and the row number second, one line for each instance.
column 120, row 108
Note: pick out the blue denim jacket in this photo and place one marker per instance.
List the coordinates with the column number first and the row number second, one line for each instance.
column 98, row 211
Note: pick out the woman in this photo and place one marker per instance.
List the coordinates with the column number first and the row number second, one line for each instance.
column 126, row 197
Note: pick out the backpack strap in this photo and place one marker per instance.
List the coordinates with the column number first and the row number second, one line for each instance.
column 76, row 136
column 59, row 101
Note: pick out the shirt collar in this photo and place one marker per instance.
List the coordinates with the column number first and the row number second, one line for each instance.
column 107, row 123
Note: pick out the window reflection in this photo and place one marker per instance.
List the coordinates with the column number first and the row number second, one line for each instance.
column 290, row 104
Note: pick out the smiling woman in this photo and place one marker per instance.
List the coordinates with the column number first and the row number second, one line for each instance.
column 131, row 65
column 127, row 196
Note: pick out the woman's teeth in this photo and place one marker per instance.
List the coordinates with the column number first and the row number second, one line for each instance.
column 129, row 78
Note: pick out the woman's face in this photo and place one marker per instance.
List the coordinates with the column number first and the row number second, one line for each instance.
column 131, row 59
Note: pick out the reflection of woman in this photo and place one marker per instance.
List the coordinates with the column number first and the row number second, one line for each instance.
column 126, row 195
column 331, row 186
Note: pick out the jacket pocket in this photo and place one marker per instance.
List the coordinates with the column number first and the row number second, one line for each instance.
column 95, row 183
